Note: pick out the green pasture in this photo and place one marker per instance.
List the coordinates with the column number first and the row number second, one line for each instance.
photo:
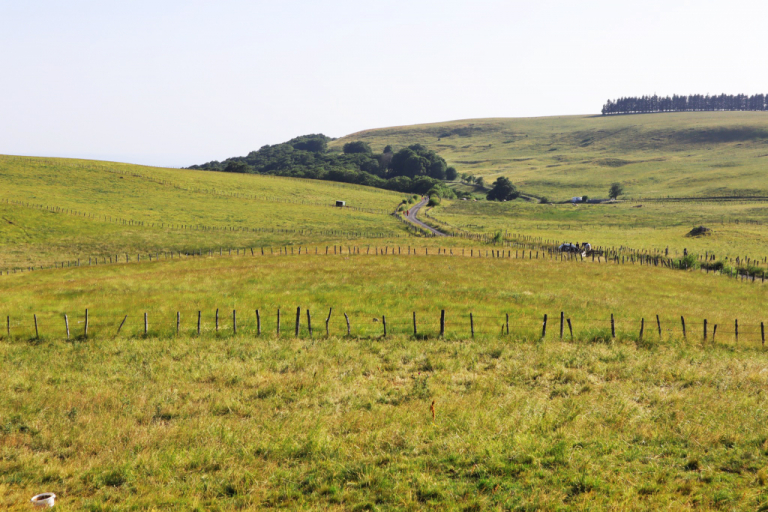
column 738, row 229
column 102, row 210
column 226, row 421
column 369, row 287
column 653, row 155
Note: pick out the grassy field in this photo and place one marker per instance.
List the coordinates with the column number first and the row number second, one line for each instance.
column 97, row 199
column 482, row 418
column 223, row 421
column 369, row 286
column 655, row 155
column 739, row 229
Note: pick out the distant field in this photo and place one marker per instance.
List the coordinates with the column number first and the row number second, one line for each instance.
column 654, row 155
column 738, row 228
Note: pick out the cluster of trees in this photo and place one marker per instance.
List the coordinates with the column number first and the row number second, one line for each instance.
column 415, row 169
column 469, row 178
column 503, row 190
column 691, row 103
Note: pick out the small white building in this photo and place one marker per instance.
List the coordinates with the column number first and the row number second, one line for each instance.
column 341, row 203
column 576, row 199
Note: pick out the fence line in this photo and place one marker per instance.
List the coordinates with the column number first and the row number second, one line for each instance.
column 359, row 324
column 520, row 252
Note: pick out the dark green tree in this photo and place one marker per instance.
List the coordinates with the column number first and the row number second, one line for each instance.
column 357, row 146
column 503, row 190
column 451, row 174
column 236, row 166
column 615, row 191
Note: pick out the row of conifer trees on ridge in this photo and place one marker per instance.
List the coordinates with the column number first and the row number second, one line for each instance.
column 690, row 103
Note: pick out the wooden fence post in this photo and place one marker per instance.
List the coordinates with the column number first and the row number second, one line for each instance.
column 66, row 324
column 278, row 322
column 258, row 323
column 37, row 335
column 442, row 323
column 714, row 333
column 705, row 330
column 472, row 325
column 199, row 320
column 217, row 319
column 658, row 322
column 178, row 321
column 146, row 324
column 85, row 332
column 121, row 324
column 736, row 327
column 327, row 320
column 414, row 325
column 562, row 322
column 682, row 320
column 613, row 328
column 8, row 319
column 570, row 329
column 349, row 330
column 384, row 321
column 298, row 320
column 309, row 323
column 762, row 333
column 234, row 321
column 544, row 327
column 642, row 328
column 507, row 324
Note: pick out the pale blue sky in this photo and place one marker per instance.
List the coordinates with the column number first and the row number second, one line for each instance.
column 182, row 82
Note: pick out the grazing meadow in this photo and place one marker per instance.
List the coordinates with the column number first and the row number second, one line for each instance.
column 237, row 420
column 216, row 341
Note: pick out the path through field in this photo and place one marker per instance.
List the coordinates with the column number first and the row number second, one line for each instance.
column 411, row 217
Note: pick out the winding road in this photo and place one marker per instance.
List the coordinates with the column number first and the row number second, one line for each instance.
column 411, row 217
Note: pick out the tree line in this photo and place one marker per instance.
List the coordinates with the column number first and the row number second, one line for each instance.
column 413, row 169
column 690, row 103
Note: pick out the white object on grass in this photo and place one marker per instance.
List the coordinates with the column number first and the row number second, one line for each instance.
column 43, row 500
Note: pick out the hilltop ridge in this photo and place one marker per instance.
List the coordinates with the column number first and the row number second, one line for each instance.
column 653, row 155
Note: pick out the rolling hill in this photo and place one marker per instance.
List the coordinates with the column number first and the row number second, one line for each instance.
column 653, row 155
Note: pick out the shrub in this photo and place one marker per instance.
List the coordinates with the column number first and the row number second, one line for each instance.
column 434, row 200
column 689, row 261
column 544, row 200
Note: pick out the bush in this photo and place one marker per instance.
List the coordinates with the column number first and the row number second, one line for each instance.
column 584, row 199
column 451, row 174
column 544, row 200
column 689, row 261
column 434, row 200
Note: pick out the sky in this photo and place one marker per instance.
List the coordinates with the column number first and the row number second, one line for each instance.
column 174, row 83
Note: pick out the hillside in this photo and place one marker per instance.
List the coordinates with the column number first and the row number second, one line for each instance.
column 653, row 155
column 55, row 209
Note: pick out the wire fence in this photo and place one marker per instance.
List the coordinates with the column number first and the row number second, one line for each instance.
column 319, row 323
